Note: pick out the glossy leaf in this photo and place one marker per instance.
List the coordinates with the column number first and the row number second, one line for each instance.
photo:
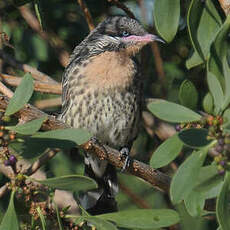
column 71, row 182
column 79, row 136
column 170, row 11
column 166, row 152
column 172, row 112
column 100, row 223
column 208, row 103
column 188, row 95
column 10, row 221
column 143, row 218
column 216, row 91
column 186, row 176
column 21, row 95
column 223, row 200
column 195, row 138
column 28, row 128
column 203, row 23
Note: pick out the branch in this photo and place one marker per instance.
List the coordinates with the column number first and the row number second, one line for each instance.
column 26, row 68
column 5, row 90
column 123, row 7
column 45, row 87
column 51, row 38
column 225, row 5
column 137, row 168
column 41, row 161
column 47, row 103
column 87, row 14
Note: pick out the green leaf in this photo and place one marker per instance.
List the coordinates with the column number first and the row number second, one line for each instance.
column 71, row 182
column 186, row 176
column 42, row 218
column 170, row 11
column 143, row 218
column 10, row 221
column 37, row 8
column 79, row 136
column 208, row 103
column 172, row 112
column 194, row 60
column 188, row 91
column 166, row 152
column 60, row 225
column 208, row 180
column 216, row 91
column 100, row 223
column 28, row 128
column 223, row 201
column 203, row 23
column 21, row 95
column 195, row 138
column 194, row 203
column 219, row 50
column 226, row 117
column 227, row 83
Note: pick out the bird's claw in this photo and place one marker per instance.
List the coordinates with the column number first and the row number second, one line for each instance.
column 124, row 154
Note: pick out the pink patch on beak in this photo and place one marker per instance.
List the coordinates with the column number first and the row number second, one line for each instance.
column 144, row 38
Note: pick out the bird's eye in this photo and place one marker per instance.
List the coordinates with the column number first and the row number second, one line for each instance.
column 125, row 33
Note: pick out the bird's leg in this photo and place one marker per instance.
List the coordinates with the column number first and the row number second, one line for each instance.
column 124, row 154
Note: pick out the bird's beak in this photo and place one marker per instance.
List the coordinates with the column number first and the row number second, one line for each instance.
column 144, row 38
column 154, row 38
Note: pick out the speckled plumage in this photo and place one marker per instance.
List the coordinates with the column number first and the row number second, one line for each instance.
column 102, row 92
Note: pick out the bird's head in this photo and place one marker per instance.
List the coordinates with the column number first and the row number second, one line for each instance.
column 120, row 33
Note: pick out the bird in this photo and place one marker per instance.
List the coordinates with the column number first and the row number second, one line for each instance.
column 103, row 93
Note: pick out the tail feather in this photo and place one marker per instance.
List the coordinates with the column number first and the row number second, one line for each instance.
column 102, row 199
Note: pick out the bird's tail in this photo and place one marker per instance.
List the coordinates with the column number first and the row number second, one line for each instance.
column 102, row 199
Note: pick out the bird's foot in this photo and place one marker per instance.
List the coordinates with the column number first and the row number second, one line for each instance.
column 124, row 154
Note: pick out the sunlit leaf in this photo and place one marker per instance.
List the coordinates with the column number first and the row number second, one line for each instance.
column 170, row 11
column 79, row 136
column 42, row 218
column 194, row 60
column 219, row 49
column 143, row 218
column 10, row 221
column 71, row 182
column 203, row 23
column 172, row 112
column 194, row 203
column 227, row 83
column 100, row 223
column 223, row 202
column 188, row 91
column 166, row 152
column 28, row 128
column 186, row 176
column 216, row 91
column 208, row 103
column 60, row 225
column 21, row 95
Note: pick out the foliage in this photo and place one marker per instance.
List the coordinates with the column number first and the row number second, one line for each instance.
column 196, row 99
